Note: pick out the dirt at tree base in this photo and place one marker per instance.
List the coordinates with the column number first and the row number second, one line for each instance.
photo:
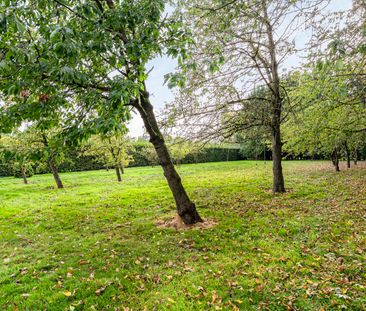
column 176, row 222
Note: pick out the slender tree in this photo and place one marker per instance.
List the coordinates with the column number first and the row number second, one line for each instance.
column 113, row 149
column 241, row 45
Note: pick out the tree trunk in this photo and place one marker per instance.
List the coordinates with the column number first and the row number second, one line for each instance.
column 278, row 180
column 335, row 160
column 24, row 175
column 185, row 207
column 52, row 165
column 118, row 173
column 55, row 174
column 348, row 154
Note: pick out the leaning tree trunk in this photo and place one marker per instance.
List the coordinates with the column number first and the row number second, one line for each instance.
column 24, row 175
column 52, row 165
column 55, row 174
column 348, row 155
column 185, row 207
column 118, row 173
column 278, row 180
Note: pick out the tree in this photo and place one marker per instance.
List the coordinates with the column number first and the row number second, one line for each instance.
column 241, row 45
column 113, row 149
column 90, row 59
column 18, row 152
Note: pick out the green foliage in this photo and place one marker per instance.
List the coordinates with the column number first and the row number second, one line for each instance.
column 112, row 150
column 330, row 111
column 57, row 58
column 18, row 151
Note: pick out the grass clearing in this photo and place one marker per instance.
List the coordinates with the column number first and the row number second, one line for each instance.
column 95, row 245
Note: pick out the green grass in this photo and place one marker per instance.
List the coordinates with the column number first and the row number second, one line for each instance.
column 94, row 245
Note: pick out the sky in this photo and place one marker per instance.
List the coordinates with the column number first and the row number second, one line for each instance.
column 161, row 94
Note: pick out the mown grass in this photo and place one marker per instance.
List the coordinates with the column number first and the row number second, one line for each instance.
column 95, row 245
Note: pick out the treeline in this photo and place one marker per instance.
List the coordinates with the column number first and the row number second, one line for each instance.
column 21, row 153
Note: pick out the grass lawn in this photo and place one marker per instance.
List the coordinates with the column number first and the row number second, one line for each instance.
column 95, row 245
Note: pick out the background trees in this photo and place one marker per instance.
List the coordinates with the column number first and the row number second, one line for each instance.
column 328, row 121
column 330, row 114
column 113, row 150
column 17, row 151
column 34, row 149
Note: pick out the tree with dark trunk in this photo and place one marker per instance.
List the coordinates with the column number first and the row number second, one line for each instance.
column 278, row 180
column 185, row 207
column 335, row 159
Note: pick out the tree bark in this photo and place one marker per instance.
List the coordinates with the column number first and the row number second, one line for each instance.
column 335, row 160
column 278, row 180
column 118, row 173
column 185, row 207
column 24, row 175
column 55, row 174
column 52, row 165
column 348, row 154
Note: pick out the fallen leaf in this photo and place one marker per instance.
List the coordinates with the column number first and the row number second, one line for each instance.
column 100, row 291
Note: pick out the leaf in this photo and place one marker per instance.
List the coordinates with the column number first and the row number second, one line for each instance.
column 67, row 293
column 83, row 262
column 100, row 291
